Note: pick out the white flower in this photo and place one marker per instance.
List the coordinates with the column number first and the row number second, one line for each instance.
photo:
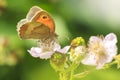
column 101, row 50
column 45, row 52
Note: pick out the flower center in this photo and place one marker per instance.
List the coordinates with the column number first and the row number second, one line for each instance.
column 98, row 49
column 47, row 45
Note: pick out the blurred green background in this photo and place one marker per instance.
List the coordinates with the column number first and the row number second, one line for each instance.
column 72, row 17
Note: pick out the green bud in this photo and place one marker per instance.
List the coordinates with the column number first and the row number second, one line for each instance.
column 78, row 49
column 77, row 42
column 57, row 61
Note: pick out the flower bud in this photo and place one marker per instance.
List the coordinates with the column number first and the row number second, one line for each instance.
column 57, row 61
column 78, row 49
column 77, row 42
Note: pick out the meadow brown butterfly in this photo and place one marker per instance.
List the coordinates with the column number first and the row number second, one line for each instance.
column 38, row 24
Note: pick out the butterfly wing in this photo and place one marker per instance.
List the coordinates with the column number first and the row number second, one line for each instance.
column 34, row 30
column 33, row 11
column 29, row 28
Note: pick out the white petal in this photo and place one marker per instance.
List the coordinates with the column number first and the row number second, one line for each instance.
column 90, row 59
column 110, row 46
column 57, row 46
column 35, row 51
column 100, row 65
column 101, row 62
column 64, row 50
column 46, row 55
column 111, row 38
column 94, row 39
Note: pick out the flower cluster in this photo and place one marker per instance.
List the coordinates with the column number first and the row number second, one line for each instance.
column 98, row 52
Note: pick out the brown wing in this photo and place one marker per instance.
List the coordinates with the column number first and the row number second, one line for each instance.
column 30, row 29
column 34, row 30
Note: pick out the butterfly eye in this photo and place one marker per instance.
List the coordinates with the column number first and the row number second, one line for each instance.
column 44, row 17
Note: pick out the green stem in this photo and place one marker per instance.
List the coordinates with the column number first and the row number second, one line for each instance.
column 81, row 75
column 71, row 75
column 60, row 75
column 63, row 75
column 67, row 74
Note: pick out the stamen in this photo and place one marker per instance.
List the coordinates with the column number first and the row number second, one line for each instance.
column 47, row 44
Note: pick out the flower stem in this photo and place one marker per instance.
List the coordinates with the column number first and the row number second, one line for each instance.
column 71, row 75
column 65, row 75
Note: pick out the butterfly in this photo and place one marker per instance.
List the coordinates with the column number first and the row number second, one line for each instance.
column 38, row 24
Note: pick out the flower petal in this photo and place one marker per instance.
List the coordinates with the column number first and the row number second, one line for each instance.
column 35, row 51
column 90, row 59
column 100, row 64
column 64, row 50
column 111, row 38
column 56, row 46
column 46, row 55
column 110, row 46
column 94, row 39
